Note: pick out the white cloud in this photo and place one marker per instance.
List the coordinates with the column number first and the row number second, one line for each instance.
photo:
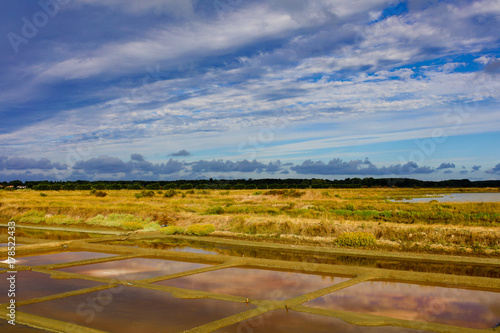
column 178, row 8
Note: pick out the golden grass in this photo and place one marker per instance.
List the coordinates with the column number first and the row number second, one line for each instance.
column 310, row 213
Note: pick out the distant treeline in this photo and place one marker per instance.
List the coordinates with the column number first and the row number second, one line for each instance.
column 239, row 184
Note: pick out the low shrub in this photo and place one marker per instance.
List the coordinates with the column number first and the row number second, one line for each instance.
column 199, row 229
column 152, row 226
column 132, row 225
column 62, row 220
column 215, row 210
column 350, row 207
column 170, row 193
column 145, row 194
column 172, row 230
column 43, row 194
column 32, row 216
column 292, row 193
column 355, row 239
column 98, row 193
column 118, row 220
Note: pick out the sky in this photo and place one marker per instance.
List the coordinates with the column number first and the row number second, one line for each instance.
column 194, row 89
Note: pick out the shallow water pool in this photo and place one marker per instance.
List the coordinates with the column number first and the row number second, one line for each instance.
column 134, row 268
column 436, row 304
column 255, row 283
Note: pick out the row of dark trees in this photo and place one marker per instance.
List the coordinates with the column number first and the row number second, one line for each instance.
column 249, row 184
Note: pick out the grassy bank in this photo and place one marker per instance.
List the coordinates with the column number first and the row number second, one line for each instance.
column 297, row 216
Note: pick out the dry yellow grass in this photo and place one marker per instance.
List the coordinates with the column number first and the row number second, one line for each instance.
column 299, row 215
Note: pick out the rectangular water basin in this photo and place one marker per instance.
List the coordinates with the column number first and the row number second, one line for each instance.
column 127, row 309
column 29, row 285
column 299, row 322
column 59, row 258
column 134, row 268
column 450, row 306
column 5, row 327
column 255, row 283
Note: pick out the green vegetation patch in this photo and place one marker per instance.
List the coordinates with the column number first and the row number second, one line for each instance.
column 200, row 229
column 292, row 193
column 32, row 216
column 119, row 221
column 172, row 230
column 62, row 220
column 355, row 239
column 215, row 210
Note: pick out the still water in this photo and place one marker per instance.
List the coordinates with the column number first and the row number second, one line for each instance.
column 134, row 269
column 5, row 327
column 299, row 322
column 60, row 257
column 33, row 285
column 127, row 309
column 318, row 257
column 255, row 283
column 460, row 197
column 450, row 306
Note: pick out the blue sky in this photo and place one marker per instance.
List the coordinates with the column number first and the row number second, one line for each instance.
column 187, row 89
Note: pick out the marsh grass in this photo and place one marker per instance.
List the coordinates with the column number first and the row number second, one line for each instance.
column 311, row 213
column 355, row 239
column 172, row 230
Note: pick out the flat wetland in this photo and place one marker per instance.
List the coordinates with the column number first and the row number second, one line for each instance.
column 352, row 260
column 305, row 217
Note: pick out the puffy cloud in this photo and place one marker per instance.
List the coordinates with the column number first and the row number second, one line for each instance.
column 495, row 170
column 493, row 67
column 172, row 166
column 228, row 166
column 136, row 167
column 27, row 176
column 178, row 8
column 358, row 167
column 22, row 163
column 3, row 159
column 137, row 157
column 182, row 152
column 102, row 164
column 446, row 166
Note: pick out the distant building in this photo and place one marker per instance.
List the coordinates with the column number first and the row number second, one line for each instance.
column 21, row 186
